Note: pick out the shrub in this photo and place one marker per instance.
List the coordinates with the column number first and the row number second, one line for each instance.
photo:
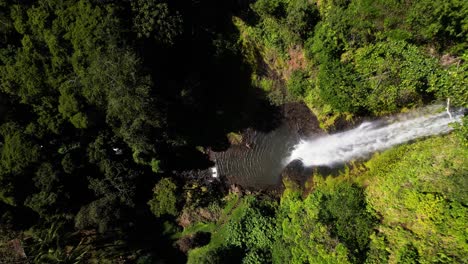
column 298, row 83
column 164, row 198
column 345, row 211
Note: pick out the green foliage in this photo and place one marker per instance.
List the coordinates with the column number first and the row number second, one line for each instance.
column 92, row 94
column 114, row 188
column 251, row 228
column 451, row 82
column 234, row 138
column 406, row 207
column 245, row 234
column 164, row 201
column 418, row 191
column 155, row 18
column 7, row 24
column 377, row 252
column 155, row 165
column 73, row 51
column 345, row 211
column 18, row 154
column 102, row 214
column 396, row 74
column 210, row 256
column 282, row 24
column 408, row 254
column 269, row 8
column 301, row 17
column 303, row 234
column 298, row 83
column 116, row 183
column 48, row 245
column 339, row 87
column 461, row 131
column 18, row 150
column 129, row 106
column 69, row 107
column 328, row 40
column 364, row 62
column 383, row 78
column 444, row 21
column 45, row 201
column 68, row 163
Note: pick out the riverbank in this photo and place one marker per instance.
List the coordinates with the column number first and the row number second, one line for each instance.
column 397, row 204
column 256, row 159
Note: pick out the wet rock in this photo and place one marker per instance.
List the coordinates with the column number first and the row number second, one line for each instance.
column 294, row 172
column 300, row 119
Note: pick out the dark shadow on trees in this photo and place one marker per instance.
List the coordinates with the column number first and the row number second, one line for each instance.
column 204, row 82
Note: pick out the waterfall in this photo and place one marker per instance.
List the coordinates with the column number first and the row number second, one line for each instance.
column 374, row 136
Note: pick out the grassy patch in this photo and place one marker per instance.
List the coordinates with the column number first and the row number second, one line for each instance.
column 198, row 227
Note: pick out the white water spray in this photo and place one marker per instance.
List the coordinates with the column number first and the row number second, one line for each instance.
column 370, row 137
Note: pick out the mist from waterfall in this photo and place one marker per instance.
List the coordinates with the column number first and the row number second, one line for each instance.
column 370, row 137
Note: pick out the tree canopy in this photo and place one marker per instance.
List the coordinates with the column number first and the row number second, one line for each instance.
column 110, row 112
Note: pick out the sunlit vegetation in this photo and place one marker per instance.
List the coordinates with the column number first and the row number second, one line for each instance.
column 406, row 205
column 418, row 192
column 109, row 110
column 164, row 200
column 363, row 57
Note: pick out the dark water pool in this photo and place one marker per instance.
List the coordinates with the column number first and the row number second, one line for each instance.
column 260, row 161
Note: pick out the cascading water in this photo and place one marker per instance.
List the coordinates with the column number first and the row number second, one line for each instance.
column 260, row 163
column 370, row 137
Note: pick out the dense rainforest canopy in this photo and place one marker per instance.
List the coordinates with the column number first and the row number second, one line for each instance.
column 105, row 104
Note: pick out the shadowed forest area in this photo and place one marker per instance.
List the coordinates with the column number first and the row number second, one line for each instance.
column 109, row 109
